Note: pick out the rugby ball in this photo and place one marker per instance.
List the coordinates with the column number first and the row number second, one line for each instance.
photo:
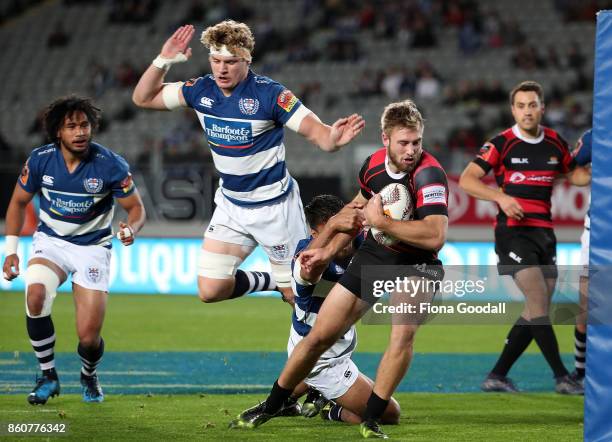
column 397, row 204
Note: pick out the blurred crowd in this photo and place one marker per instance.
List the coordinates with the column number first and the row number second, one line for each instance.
column 337, row 31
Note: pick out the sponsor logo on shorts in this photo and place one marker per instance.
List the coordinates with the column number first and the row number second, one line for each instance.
column 248, row 106
column 519, row 160
column 515, row 257
column 286, row 100
column 93, row 185
column 211, row 228
column 434, row 194
column 280, row 252
column 93, row 274
column 348, row 373
column 553, row 160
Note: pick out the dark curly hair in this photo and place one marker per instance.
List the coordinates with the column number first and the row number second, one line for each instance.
column 56, row 112
column 321, row 208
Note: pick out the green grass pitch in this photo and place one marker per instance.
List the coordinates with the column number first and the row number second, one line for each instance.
column 181, row 323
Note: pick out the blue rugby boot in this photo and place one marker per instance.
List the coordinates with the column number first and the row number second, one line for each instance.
column 44, row 389
column 92, row 392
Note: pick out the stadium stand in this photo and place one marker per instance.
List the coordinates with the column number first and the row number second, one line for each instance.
column 458, row 57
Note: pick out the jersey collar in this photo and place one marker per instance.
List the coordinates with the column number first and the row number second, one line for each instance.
column 517, row 132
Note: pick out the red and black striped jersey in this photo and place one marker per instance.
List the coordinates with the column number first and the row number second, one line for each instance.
column 526, row 169
column 427, row 184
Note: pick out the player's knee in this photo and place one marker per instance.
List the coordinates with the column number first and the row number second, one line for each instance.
column 41, row 289
column 213, row 290
column 89, row 340
column 402, row 343
column 318, row 342
column 35, row 299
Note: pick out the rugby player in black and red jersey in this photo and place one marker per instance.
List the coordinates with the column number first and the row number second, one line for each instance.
column 526, row 159
column 401, row 160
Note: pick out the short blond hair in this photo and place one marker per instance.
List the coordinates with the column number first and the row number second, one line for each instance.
column 401, row 114
column 237, row 37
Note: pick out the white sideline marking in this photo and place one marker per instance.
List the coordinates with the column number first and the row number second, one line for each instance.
column 105, row 373
column 4, row 385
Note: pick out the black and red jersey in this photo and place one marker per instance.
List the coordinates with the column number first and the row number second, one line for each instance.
column 526, row 169
column 426, row 183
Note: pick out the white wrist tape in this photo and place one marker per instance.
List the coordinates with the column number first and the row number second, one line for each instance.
column 166, row 63
column 170, row 95
column 127, row 233
column 10, row 244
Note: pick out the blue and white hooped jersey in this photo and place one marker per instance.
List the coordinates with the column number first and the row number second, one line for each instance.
column 582, row 154
column 245, row 134
column 307, row 304
column 77, row 207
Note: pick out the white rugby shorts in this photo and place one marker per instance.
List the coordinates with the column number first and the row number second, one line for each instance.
column 332, row 378
column 88, row 265
column 276, row 227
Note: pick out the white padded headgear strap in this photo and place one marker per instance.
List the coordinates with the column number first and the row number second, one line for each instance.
column 224, row 51
column 41, row 274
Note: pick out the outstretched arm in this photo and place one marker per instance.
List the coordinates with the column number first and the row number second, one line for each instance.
column 331, row 138
column 149, row 90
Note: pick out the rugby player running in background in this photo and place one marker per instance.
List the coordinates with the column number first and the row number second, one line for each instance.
column 526, row 159
column 78, row 181
column 242, row 115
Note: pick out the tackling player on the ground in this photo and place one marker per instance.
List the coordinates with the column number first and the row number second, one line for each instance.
column 582, row 155
column 401, row 160
column 335, row 376
column 243, row 115
column 78, row 181
column 526, row 159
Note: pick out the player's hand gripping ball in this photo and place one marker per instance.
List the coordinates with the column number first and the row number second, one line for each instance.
column 397, row 204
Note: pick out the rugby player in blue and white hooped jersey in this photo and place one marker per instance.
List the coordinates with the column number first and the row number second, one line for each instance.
column 78, row 181
column 243, row 115
column 582, row 155
column 335, row 376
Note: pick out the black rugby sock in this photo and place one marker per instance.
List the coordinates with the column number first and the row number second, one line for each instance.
column 518, row 339
column 375, row 407
column 579, row 352
column 276, row 399
column 335, row 413
column 248, row 282
column 544, row 335
column 90, row 358
column 42, row 338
